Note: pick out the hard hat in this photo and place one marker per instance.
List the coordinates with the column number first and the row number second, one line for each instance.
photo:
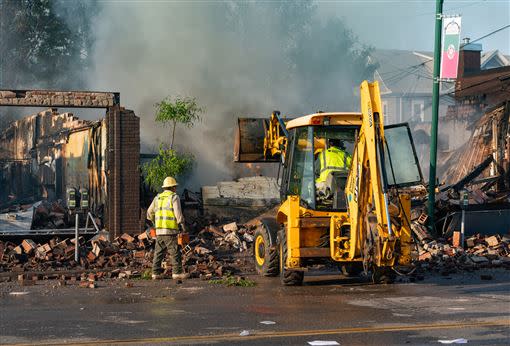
column 169, row 182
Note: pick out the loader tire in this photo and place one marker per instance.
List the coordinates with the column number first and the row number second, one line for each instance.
column 383, row 275
column 288, row 277
column 266, row 256
column 352, row 269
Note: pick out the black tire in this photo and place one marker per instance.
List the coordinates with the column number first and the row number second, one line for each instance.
column 288, row 277
column 265, row 256
column 383, row 275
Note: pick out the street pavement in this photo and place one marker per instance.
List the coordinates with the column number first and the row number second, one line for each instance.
column 349, row 311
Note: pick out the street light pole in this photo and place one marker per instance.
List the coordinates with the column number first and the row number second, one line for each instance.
column 435, row 113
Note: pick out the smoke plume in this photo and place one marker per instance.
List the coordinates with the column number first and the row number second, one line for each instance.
column 239, row 59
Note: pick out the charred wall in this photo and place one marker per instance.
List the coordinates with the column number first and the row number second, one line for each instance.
column 31, row 155
column 43, row 154
column 490, row 138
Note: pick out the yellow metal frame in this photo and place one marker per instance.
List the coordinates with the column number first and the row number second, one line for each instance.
column 336, row 118
column 274, row 142
column 366, row 198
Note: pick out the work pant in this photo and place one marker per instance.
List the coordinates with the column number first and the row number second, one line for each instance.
column 166, row 243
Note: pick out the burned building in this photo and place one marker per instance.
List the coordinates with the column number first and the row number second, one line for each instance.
column 477, row 126
column 45, row 154
column 474, row 165
column 488, row 150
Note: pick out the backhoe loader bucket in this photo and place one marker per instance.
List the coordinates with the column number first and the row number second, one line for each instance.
column 249, row 140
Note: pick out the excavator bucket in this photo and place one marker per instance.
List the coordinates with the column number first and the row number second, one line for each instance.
column 249, row 140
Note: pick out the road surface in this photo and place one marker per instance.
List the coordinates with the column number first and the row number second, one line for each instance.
column 348, row 311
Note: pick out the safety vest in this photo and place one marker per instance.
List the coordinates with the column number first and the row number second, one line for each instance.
column 333, row 160
column 165, row 217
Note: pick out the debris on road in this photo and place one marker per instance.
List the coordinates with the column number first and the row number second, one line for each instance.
column 323, row 343
column 18, row 293
column 212, row 254
column 480, row 252
column 454, row 341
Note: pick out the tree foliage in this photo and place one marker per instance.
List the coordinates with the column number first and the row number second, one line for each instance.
column 167, row 163
column 324, row 62
column 178, row 110
column 172, row 111
column 45, row 43
column 183, row 110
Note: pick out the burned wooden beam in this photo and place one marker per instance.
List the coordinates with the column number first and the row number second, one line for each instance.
column 53, row 98
column 475, row 172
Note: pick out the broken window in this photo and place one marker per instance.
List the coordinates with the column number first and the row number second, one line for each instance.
column 403, row 169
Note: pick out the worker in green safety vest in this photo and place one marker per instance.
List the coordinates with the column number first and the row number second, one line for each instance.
column 334, row 158
column 166, row 214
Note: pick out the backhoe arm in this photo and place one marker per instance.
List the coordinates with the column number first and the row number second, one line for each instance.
column 366, row 188
column 276, row 134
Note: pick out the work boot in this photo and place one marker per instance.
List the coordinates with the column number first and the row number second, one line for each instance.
column 157, row 276
column 180, row 276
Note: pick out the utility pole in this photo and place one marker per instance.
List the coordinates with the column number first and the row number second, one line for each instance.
column 435, row 114
column 2, row 31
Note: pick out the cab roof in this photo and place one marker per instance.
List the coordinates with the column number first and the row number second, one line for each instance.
column 335, row 118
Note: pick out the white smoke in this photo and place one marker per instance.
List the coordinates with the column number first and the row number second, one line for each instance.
column 232, row 56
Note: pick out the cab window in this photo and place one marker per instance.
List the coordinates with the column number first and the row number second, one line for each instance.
column 333, row 148
column 301, row 179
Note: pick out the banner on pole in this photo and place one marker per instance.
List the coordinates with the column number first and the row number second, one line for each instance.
column 450, row 47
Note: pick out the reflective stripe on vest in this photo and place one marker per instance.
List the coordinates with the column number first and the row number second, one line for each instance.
column 165, row 217
column 333, row 160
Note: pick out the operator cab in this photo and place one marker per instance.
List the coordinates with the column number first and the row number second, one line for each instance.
column 319, row 156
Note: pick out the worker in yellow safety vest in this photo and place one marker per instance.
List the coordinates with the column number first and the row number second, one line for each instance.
column 333, row 159
column 166, row 214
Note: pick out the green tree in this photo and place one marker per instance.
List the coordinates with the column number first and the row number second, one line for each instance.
column 180, row 110
column 172, row 111
column 167, row 163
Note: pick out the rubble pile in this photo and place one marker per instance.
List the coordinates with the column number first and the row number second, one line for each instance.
column 479, row 252
column 58, row 254
column 50, row 215
column 212, row 253
column 215, row 251
column 42, row 215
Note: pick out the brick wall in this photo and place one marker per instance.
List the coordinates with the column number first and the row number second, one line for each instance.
column 123, row 157
column 469, row 62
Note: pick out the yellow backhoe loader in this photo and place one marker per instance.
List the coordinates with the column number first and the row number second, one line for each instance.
column 341, row 182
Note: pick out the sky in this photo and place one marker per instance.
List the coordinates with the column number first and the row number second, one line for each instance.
column 409, row 24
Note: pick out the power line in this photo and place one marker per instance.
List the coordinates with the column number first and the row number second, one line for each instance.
column 464, row 6
column 489, row 34
column 409, row 67
column 411, row 70
column 452, row 9
column 402, row 73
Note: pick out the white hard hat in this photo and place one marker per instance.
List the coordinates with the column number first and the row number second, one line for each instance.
column 169, row 182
